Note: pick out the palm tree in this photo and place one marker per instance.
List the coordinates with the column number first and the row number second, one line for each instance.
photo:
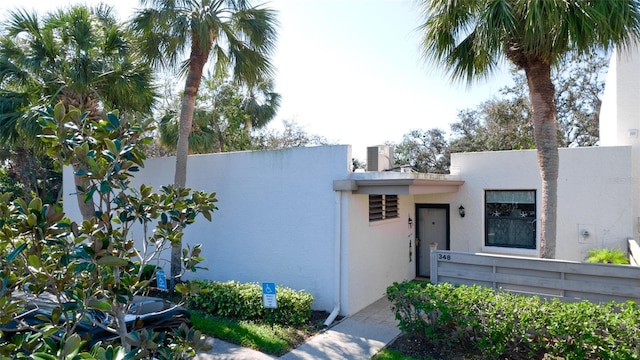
column 261, row 104
column 79, row 56
column 470, row 38
column 230, row 33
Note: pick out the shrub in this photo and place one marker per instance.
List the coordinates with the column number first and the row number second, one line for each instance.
column 243, row 301
column 505, row 325
column 608, row 256
column 94, row 264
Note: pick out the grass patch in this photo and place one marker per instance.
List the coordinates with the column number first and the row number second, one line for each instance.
column 270, row 339
column 388, row 354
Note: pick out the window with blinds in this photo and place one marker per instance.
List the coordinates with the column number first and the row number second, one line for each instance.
column 383, row 207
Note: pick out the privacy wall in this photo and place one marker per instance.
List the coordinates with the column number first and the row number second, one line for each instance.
column 276, row 220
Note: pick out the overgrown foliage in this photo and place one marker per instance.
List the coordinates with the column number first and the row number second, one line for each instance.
column 243, row 301
column 502, row 325
column 95, row 264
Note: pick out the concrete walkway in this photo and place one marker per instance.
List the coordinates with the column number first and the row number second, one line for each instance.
column 359, row 336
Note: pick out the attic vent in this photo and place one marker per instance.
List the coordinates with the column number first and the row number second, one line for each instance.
column 379, row 158
column 383, row 207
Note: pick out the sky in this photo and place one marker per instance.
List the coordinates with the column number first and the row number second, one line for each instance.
column 349, row 70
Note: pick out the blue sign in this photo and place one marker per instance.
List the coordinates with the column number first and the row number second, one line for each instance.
column 268, row 288
column 161, row 280
column 269, row 295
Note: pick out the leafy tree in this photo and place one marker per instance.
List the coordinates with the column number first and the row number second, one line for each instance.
column 357, row 164
column 497, row 124
column 94, row 264
column 470, row 38
column 579, row 83
column 230, row 33
column 423, row 150
column 293, row 135
column 222, row 119
column 79, row 56
column 504, row 122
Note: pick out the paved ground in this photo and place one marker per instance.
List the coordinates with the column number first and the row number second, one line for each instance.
column 223, row 350
column 359, row 336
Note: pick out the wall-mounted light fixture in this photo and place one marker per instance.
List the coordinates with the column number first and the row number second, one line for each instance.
column 461, row 211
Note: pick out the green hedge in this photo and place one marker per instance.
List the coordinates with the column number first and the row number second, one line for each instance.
column 500, row 324
column 243, row 301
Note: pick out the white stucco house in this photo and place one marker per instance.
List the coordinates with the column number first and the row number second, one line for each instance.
column 301, row 218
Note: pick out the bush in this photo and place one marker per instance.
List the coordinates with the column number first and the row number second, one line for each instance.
column 505, row 325
column 608, row 256
column 243, row 301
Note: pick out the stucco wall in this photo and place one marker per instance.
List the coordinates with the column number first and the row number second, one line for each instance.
column 594, row 188
column 276, row 220
column 619, row 114
column 376, row 253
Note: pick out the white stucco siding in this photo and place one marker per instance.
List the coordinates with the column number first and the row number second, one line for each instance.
column 376, row 253
column 594, row 187
column 276, row 220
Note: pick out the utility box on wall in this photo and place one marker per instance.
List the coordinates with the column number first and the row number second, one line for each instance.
column 379, row 158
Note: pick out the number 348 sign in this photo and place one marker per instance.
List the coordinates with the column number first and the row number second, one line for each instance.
column 445, row 257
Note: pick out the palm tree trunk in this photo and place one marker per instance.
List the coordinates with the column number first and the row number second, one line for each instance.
column 248, row 125
column 216, row 124
column 192, row 83
column 541, row 93
column 87, row 208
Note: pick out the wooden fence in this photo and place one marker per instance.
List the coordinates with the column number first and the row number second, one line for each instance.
column 569, row 280
column 634, row 252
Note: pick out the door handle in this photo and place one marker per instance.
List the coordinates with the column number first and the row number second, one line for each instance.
column 417, row 242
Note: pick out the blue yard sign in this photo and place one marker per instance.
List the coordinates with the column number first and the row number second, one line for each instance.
column 269, row 295
column 161, row 280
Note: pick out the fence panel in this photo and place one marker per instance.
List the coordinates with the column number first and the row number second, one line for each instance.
column 543, row 277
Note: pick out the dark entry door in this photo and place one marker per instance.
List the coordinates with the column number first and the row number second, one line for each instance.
column 433, row 226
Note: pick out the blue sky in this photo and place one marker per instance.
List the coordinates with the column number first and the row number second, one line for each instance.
column 351, row 70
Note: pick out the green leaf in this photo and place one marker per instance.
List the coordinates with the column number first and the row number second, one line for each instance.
column 16, row 252
column 113, row 261
column 55, row 315
column 34, row 261
column 101, row 305
column 32, row 220
column 111, row 146
column 113, row 120
column 89, row 195
column 43, row 356
column 59, row 112
column 105, row 187
column 72, row 346
column 36, row 204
